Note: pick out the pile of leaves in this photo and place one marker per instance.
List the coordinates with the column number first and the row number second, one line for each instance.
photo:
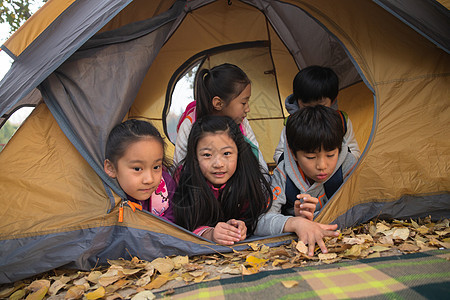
column 139, row 279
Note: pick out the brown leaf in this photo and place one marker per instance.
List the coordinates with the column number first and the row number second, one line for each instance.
column 158, row 282
column 407, row 247
column 75, row 292
column 107, row 280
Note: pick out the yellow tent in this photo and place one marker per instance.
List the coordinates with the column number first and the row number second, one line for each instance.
column 88, row 65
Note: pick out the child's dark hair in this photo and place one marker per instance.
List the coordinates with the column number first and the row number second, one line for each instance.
column 313, row 127
column 226, row 81
column 246, row 195
column 314, row 83
column 128, row 132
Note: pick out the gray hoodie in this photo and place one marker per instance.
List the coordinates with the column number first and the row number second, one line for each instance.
column 273, row 221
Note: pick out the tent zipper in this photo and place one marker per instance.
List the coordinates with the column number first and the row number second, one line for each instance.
column 130, row 204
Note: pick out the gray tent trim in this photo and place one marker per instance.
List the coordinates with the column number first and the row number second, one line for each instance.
column 54, row 46
column 416, row 14
column 86, row 248
column 404, row 208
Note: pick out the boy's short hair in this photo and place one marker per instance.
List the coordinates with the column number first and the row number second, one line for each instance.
column 313, row 127
column 314, row 83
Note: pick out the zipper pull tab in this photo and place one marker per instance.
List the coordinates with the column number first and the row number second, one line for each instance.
column 134, row 205
column 121, row 212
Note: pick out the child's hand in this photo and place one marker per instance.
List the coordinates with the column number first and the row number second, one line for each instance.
column 306, row 208
column 310, row 232
column 224, row 234
column 241, row 226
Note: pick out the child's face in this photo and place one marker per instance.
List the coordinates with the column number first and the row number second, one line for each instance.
column 139, row 170
column 317, row 166
column 217, row 156
column 324, row 101
column 238, row 108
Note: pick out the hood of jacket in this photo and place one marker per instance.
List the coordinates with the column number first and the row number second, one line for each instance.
column 291, row 104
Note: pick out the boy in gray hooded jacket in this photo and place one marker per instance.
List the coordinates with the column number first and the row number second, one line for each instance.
column 315, row 163
column 312, row 86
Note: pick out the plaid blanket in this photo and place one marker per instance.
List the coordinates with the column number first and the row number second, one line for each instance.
column 424, row 275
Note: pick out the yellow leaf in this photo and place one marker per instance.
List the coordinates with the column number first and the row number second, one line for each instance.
column 179, row 261
column 201, row 278
column 265, row 249
column 379, row 248
column 75, row 292
column 98, row 293
column 423, row 229
column 38, row 295
column 144, row 295
column 163, row 265
column 301, row 247
column 19, row 294
column 255, row 261
column 354, row 251
column 93, row 276
column 8, row 291
column 289, row 283
column 158, row 282
column 374, row 255
column 38, row 284
column 414, row 224
column 211, row 279
column 130, row 271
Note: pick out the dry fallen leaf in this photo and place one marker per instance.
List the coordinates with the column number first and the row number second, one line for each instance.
column 327, row 256
column 75, row 292
column 179, row 261
column 144, row 295
column 97, row 294
column 163, row 265
column 289, row 283
column 158, row 282
column 19, row 294
column 301, row 247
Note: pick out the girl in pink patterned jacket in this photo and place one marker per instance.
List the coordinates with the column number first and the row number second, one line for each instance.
column 135, row 157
